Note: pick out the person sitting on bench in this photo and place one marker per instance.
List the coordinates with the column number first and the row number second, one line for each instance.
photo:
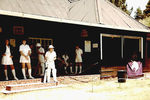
column 134, row 66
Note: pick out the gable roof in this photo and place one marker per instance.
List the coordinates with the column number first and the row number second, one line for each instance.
column 90, row 12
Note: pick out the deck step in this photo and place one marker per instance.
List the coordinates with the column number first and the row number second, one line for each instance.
column 13, row 82
column 29, row 86
column 108, row 74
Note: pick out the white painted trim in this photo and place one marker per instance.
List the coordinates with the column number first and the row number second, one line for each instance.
column 132, row 37
column 101, row 47
column 122, row 42
column 142, row 48
column 112, row 35
column 49, row 18
column 122, row 45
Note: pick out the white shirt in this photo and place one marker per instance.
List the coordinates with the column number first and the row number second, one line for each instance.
column 25, row 49
column 79, row 53
column 65, row 57
column 7, row 60
column 50, row 56
column 8, row 51
column 135, row 66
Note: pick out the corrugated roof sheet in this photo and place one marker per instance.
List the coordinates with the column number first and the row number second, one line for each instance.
column 91, row 11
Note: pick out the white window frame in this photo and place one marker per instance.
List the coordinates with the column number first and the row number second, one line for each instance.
column 122, row 43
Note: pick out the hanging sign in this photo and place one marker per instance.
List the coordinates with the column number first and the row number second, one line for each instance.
column 18, row 30
column 87, row 46
column 84, row 33
column 95, row 45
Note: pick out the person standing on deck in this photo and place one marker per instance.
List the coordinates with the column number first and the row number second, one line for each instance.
column 78, row 59
column 41, row 59
column 7, row 55
column 25, row 53
column 50, row 57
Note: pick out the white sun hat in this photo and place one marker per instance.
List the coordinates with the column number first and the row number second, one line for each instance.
column 51, row 46
column 38, row 45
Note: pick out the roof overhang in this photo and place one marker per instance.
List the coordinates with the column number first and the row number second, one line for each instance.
column 59, row 20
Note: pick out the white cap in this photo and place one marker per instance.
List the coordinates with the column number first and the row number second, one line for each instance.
column 51, row 46
column 38, row 45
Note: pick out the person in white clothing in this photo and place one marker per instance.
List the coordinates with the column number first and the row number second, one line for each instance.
column 78, row 59
column 25, row 52
column 41, row 59
column 50, row 57
column 67, row 62
column 7, row 55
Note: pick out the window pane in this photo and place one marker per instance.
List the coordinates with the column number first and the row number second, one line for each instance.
column 130, row 46
column 111, row 50
column 148, row 49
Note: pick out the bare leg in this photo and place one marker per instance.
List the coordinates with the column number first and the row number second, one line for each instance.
column 42, row 65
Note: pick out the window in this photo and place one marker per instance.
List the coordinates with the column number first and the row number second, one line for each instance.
column 45, row 42
column 148, row 48
column 132, row 44
column 115, row 48
column 111, row 49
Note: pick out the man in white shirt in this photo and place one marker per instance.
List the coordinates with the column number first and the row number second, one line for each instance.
column 50, row 57
column 78, row 59
column 41, row 58
column 25, row 52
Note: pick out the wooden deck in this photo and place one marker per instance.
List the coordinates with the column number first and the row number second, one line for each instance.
column 111, row 71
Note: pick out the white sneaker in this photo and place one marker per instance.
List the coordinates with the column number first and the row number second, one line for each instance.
column 66, row 72
column 6, row 78
column 25, row 77
column 15, row 78
column 56, row 80
column 71, row 72
column 31, row 77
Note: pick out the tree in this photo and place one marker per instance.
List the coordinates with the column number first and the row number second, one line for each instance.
column 147, row 10
column 121, row 4
column 145, row 21
column 139, row 14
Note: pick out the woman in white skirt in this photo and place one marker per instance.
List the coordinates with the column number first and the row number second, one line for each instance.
column 25, row 52
column 78, row 59
column 7, row 53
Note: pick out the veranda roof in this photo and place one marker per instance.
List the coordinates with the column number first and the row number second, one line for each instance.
column 99, row 13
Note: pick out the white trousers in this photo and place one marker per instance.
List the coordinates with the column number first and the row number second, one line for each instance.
column 42, row 65
column 48, row 73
